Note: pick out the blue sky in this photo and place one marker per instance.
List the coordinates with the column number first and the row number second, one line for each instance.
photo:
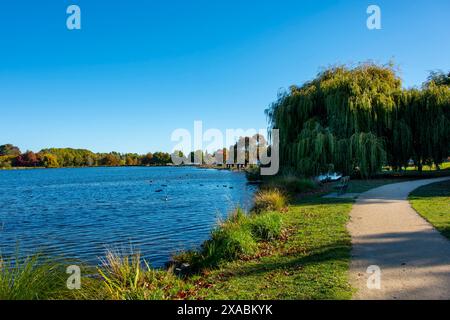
column 137, row 70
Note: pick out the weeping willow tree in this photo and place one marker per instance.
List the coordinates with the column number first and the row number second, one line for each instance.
column 355, row 120
column 428, row 117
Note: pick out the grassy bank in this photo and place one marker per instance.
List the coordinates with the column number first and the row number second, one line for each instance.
column 309, row 262
column 433, row 203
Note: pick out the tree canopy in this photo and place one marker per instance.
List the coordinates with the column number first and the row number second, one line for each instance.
column 355, row 120
column 9, row 150
column 68, row 157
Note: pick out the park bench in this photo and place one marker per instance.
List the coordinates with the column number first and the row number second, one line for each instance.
column 343, row 185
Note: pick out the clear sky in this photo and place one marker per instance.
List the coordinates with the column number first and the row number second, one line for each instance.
column 137, row 70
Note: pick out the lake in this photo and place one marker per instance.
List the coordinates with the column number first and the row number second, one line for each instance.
column 80, row 213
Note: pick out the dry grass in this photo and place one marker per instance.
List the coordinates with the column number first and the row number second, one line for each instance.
column 270, row 200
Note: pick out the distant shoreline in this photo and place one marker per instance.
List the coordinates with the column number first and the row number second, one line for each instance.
column 86, row 167
column 147, row 166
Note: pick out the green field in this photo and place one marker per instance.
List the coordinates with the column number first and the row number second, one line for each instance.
column 433, row 203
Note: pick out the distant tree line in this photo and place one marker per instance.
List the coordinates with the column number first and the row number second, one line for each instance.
column 11, row 156
column 357, row 120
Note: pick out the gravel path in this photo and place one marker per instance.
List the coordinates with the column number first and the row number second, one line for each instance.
column 413, row 257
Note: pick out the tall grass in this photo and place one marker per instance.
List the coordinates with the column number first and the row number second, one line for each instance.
column 132, row 278
column 269, row 200
column 128, row 277
column 229, row 241
column 266, row 226
column 32, row 278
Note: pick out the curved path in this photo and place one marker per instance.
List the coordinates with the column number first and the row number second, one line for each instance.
column 386, row 231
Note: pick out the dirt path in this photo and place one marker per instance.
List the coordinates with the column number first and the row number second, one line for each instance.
column 413, row 257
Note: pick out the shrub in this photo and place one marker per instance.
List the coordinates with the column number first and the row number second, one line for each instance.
column 292, row 184
column 269, row 200
column 266, row 227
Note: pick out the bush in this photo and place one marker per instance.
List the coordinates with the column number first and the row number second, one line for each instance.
column 269, row 200
column 266, row 227
column 292, row 184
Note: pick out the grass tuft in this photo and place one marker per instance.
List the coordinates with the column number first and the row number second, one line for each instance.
column 269, row 200
column 266, row 227
column 31, row 278
column 131, row 278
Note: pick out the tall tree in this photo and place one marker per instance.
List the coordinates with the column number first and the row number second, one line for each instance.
column 9, row 150
column 355, row 120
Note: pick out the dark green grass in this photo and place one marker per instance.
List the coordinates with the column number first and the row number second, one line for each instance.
column 433, row 203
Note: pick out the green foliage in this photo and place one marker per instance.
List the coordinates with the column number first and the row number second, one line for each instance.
column 234, row 238
column 32, row 278
column 9, row 150
column 68, row 157
column 266, row 226
column 227, row 243
column 49, row 160
column 355, row 120
column 161, row 158
column 6, row 161
column 438, row 78
column 290, row 184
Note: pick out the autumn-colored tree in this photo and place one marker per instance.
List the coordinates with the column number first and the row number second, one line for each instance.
column 49, row 160
column 6, row 161
column 27, row 159
column 132, row 159
column 110, row 160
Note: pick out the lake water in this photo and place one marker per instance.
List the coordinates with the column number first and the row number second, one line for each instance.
column 79, row 213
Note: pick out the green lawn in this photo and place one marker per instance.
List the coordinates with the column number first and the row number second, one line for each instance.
column 433, row 203
column 310, row 263
column 444, row 166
